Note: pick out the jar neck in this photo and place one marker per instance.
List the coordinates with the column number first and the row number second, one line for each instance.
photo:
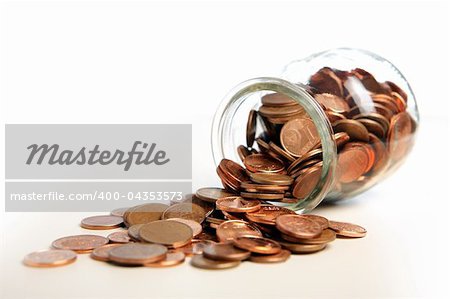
column 224, row 119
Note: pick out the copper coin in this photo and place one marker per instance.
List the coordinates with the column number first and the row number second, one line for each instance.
column 395, row 88
column 119, row 237
column 262, row 196
column 137, row 253
column 119, row 212
column 233, row 216
column 212, row 194
column 313, row 154
column 334, row 116
column 271, row 179
column 102, row 222
column 383, row 121
column 199, row 261
column 187, row 211
column 144, row 213
column 323, row 222
column 352, row 163
column 243, row 152
column 302, row 168
column 277, row 99
column 326, row 236
column 353, row 128
column 341, row 138
column 233, row 171
column 231, row 229
column 399, row 135
column 267, row 214
column 306, row 182
column 237, row 204
column 381, row 156
column 80, row 243
column 326, row 81
column 279, row 111
column 281, row 152
column 228, row 184
column 172, row 259
column 298, row 136
column 263, row 163
column 332, row 102
column 50, row 258
column 194, row 225
column 399, row 101
column 263, row 146
column 251, row 128
column 102, row 253
column 373, row 127
column 344, row 229
column 298, row 226
column 170, row 233
column 264, row 187
column 257, row 244
column 279, row 257
column 195, row 247
column 302, row 248
column 133, row 231
column 225, row 252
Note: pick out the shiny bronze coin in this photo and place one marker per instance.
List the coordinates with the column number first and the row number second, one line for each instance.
column 326, row 81
column 334, row 116
column 373, row 127
column 137, row 253
column 263, row 146
column 231, row 229
column 251, row 128
column 119, row 237
column 262, row 196
column 306, row 182
column 229, row 184
column 144, row 213
column 233, row 216
column 267, row 214
column 257, row 245
column 133, row 231
column 280, row 111
column 302, row 248
column 50, row 258
column 233, row 171
column 341, row 139
column 172, row 259
column 237, row 204
column 271, row 179
column 281, row 152
column 383, row 121
column 102, row 253
column 298, row 226
column 302, row 168
column 323, row 222
column 225, row 252
column 326, row 236
column 263, row 163
column 119, row 212
column 298, row 136
column 80, row 243
column 313, row 154
column 395, row 88
column 381, row 155
column 399, row 101
column 353, row 128
column 195, row 226
column 279, row 257
column 243, row 152
column 195, row 247
column 352, row 163
column 332, row 102
column 212, row 194
column 189, row 211
column 399, row 136
column 344, row 229
column 199, row 261
column 254, row 187
column 102, row 222
column 170, row 233
column 277, row 99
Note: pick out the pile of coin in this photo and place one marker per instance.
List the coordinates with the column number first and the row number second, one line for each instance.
column 372, row 130
column 218, row 229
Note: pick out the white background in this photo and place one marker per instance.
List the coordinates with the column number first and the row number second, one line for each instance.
column 172, row 62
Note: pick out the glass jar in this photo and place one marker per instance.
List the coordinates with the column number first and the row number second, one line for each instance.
column 340, row 121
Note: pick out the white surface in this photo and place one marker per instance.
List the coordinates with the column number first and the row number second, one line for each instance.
column 81, row 62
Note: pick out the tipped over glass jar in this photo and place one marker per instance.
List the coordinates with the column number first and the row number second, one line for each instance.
column 333, row 125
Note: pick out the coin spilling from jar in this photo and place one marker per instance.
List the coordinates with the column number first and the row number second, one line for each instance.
column 215, row 228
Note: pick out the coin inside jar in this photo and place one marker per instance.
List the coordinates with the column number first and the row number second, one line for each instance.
column 298, row 136
column 102, row 222
column 50, row 258
column 257, row 244
column 237, row 204
column 251, row 128
column 271, row 179
column 137, row 254
column 80, row 243
column 231, row 229
column 225, row 252
column 166, row 232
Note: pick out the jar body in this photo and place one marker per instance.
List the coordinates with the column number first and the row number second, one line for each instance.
column 340, row 121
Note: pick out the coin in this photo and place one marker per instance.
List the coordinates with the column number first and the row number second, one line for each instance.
column 267, row 214
column 399, row 135
column 373, row 127
column 237, row 204
column 332, row 102
column 137, row 254
column 263, row 146
column 252, row 187
column 277, row 99
column 231, row 229
column 263, row 163
column 225, row 252
column 395, row 88
column 279, row 257
column 281, row 152
column 133, row 231
column 50, row 258
column 326, row 236
column 144, row 213
column 352, row 163
column 170, row 233
column 271, row 179
column 353, row 128
column 195, row 247
column 243, row 152
column 326, row 81
column 212, row 194
column 323, row 222
column 102, row 253
column 199, row 261
column 263, row 196
column 102, row 222
column 194, row 225
column 80, row 243
column 251, row 127
column 172, row 259
column 257, row 244
column 302, row 248
column 189, row 211
column 233, row 171
column 298, row 136
column 119, row 237
column 298, row 226
column 119, row 212
column 381, row 155
column 306, row 182
column 344, row 229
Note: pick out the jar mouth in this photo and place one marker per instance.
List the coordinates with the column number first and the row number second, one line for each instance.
column 222, row 129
